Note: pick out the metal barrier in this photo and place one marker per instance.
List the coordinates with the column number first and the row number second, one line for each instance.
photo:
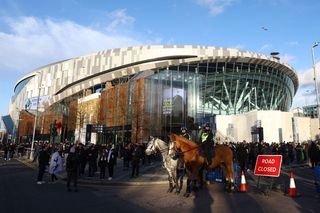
column 216, row 175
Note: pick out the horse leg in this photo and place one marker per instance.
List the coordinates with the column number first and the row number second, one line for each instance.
column 200, row 178
column 226, row 175
column 180, row 183
column 231, row 176
column 170, row 184
column 179, row 180
column 187, row 194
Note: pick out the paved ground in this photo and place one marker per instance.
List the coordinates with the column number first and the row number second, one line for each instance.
column 20, row 193
column 152, row 173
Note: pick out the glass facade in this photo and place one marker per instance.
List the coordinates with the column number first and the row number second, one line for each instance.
column 187, row 94
column 19, row 87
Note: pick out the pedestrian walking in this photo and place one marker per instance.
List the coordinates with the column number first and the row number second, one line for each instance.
column 72, row 167
column 91, row 160
column 102, row 163
column 111, row 161
column 136, row 155
column 56, row 164
column 5, row 151
column 126, row 154
column 43, row 161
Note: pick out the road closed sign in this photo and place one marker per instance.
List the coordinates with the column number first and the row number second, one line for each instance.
column 268, row 165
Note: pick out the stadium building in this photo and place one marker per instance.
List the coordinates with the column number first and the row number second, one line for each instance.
column 127, row 94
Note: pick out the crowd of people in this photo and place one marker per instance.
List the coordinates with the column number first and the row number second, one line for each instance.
column 79, row 160
column 88, row 160
column 245, row 153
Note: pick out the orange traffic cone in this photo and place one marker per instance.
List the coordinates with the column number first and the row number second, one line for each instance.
column 243, row 184
column 292, row 189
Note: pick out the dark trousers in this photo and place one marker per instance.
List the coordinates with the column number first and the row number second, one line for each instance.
column 102, row 172
column 72, row 176
column 135, row 168
column 207, row 148
column 82, row 166
column 53, row 177
column 41, row 172
column 125, row 163
column 110, row 169
column 91, row 168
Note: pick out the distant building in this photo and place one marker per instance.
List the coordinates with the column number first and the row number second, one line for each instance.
column 310, row 111
column 128, row 94
column 2, row 130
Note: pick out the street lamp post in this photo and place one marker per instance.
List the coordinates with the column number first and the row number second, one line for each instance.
column 315, row 79
column 35, row 120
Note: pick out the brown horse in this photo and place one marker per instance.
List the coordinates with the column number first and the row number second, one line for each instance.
column 195, row 163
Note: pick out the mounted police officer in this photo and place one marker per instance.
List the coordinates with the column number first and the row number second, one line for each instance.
column 184, row 133
column 207, row 142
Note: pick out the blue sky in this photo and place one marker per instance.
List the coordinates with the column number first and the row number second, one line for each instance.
column 34, row 33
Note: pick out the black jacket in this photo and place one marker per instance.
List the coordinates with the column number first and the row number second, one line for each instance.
column 73, row 162
column 43, row 158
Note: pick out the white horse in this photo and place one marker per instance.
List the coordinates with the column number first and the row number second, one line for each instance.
column 156, row 144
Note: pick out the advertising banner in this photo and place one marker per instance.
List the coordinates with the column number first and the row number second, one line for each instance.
column 31, row 103
column 172, row 98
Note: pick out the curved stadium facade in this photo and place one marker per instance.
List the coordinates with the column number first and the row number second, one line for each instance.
column 151, row 90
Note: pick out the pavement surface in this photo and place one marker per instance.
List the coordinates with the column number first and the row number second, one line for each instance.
column 154, row 173
column 20, row 194
column 150, row 174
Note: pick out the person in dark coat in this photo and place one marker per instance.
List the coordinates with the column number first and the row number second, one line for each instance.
column 242, row 155
column 314, row 154
column 91, row 161
column 111, row 161
column 83, row 159
column 11, row 149
column 72, row 167
column 5, row 151
column 126, row 157
column 102, row 163
column 43, row 159
column 136, row 156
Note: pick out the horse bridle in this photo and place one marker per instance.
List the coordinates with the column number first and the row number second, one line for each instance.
column 184, row 151
column 153, row 142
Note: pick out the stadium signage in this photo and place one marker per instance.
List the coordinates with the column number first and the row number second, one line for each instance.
column 268, row 165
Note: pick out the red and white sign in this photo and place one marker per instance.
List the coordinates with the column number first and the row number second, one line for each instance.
column 268, row 165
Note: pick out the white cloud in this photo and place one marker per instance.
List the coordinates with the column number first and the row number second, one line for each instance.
column 239, row 46
column 287, row 59
column 292, row 43
column 119, row 20
column 215, row 7
column 306, row 76
column 265, row 47
column 306, row 92
column 32, row 42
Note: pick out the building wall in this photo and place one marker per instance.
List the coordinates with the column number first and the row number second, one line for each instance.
column 66, row 78
column 305, row 127
column 87, row 113
column 26, row 123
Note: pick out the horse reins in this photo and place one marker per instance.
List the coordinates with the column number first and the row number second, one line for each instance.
column 186, row 150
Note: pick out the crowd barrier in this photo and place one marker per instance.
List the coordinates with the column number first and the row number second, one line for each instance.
column 216, row 174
